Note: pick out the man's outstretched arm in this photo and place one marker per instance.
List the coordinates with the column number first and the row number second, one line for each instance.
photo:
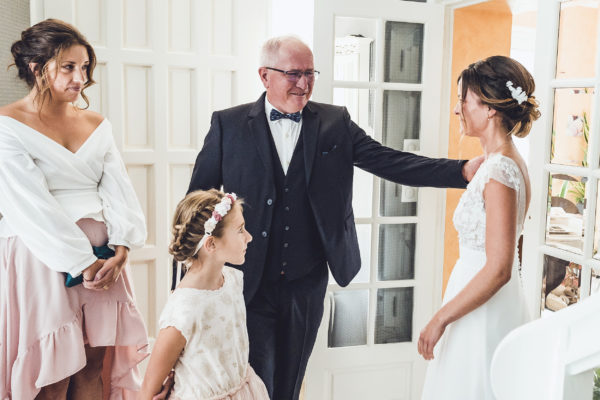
column 407, row 168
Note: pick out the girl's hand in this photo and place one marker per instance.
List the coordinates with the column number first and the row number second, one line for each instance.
column 430, row 335
column 166, row 387
column 110, row 271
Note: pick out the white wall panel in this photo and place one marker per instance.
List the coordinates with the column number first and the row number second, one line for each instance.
column 143, row 274
column 179, row 182
column 136, row 18
column 222, row 27
column 251, row 33
column 221, row 89
column 59, row 9
column 180, row 25
column 142, row 177
column 180, row 108
column 138, row 104
column 90, row 17
column 98, row 93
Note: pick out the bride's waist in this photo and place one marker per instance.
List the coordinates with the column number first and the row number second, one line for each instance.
column 469, row 251
column 476, row 257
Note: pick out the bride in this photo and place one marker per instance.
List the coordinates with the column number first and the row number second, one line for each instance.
column 484, row 298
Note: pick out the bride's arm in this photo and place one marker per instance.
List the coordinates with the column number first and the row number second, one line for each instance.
column 501, row 225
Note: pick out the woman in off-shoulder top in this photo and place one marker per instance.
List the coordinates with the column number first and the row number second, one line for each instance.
column 69, row 214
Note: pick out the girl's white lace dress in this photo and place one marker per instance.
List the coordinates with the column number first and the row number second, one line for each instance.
column 460, row 369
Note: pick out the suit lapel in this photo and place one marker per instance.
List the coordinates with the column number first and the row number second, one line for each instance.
column 310, row 135
column 259, row 129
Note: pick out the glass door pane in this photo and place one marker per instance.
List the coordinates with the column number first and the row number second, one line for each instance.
column 403, row 57
column 396, row 252
column 397, row 200
column 566, row 208
column 349, row 312
column 578, row 26
column 401, row 120
column 394, row 315
column 354, row 58
column 560, row 284
column 571, row 126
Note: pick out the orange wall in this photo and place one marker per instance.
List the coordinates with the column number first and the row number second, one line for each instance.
column 480, row 31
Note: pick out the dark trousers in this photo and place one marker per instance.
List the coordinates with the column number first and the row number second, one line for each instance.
column 283, row 319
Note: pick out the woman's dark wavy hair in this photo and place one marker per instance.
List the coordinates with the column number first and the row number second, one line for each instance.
column 487, row 79
column 44, row 42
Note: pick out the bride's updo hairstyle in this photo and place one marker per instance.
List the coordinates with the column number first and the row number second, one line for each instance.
column 45, row 42
column 496, row 81
column 188, row 223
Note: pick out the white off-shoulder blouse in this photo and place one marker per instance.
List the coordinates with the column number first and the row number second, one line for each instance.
column 45, row 188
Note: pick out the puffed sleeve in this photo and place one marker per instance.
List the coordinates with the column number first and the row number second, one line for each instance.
column 123, row 215
column 34, row 214
column 179, row 313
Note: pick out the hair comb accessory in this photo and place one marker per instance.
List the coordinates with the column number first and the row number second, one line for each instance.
column 518, row 94
column 220, row 211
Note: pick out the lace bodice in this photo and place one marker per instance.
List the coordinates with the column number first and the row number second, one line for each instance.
column 469, row 217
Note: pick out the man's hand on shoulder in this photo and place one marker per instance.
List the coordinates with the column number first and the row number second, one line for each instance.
column 470, row 167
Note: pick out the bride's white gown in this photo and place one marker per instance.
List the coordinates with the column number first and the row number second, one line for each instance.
column 461, row 366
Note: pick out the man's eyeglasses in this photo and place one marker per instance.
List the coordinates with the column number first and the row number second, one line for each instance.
column 294, row 76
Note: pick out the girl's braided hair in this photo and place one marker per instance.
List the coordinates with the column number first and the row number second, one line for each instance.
column 188, row 223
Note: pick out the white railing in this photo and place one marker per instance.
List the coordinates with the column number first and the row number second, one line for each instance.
column 550, row 358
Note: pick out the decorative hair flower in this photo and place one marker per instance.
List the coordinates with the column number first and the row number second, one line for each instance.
column 221, row 210
column 518, row 94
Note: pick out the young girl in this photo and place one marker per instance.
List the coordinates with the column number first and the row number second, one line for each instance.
column 203, row 326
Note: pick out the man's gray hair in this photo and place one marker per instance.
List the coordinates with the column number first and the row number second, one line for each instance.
column 269, row 54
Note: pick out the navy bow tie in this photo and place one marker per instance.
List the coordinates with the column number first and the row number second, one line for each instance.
column 276, row 115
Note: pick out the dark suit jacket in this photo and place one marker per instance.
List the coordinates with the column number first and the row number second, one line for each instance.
column 237, row 155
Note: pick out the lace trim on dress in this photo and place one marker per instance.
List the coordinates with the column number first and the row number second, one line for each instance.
column 469, row 217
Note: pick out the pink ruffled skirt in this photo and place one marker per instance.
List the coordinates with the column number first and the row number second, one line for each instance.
column 44, row 326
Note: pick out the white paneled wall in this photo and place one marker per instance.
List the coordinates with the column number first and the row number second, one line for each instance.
column 163, row 67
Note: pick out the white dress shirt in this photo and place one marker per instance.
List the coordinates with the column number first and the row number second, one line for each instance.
column 285, row 135
column 45, row 188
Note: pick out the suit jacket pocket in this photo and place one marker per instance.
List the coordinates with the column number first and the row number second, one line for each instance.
column 328, row 152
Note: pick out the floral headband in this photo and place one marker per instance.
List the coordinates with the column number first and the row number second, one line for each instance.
column 518, row 94
column 220, row 211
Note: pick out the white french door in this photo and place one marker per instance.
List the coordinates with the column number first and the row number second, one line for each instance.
column 561, row 251
column 383, row 60
column 561, row 236
column 163, row 67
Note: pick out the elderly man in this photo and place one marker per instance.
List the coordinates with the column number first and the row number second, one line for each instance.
column 292, row 160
